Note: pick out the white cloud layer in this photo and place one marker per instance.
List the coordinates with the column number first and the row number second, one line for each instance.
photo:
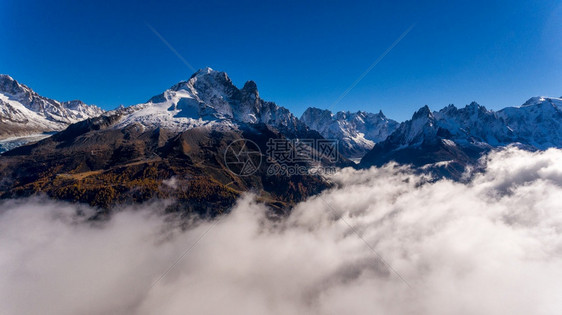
column 492, row 246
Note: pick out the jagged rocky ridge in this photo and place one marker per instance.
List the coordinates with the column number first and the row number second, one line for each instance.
column 356, row 132
column 209, row 98
column 25, row 115
column 24, row 111
column 454, row 138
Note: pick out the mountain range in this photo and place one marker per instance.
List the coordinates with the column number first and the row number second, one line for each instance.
column 356, row 132
column 173, row 145
column 26, row 115
column 454, row 138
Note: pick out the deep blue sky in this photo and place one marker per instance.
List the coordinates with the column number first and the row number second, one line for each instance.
column 498, row 53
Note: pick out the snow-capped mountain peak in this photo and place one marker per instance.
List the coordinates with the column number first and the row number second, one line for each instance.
column 24, row 112
column 538, row 122
column 357, row 132
column 206, row 70
column 462, row 134
column 423, row 113
column 422, row 126
column 210, row 96
column 542, row 99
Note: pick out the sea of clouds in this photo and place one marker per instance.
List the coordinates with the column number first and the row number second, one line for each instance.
column 384, row 241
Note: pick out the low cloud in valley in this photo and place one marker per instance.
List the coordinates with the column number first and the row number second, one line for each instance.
column 383, row 241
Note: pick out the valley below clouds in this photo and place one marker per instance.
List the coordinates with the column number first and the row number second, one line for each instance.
column 382, row 241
